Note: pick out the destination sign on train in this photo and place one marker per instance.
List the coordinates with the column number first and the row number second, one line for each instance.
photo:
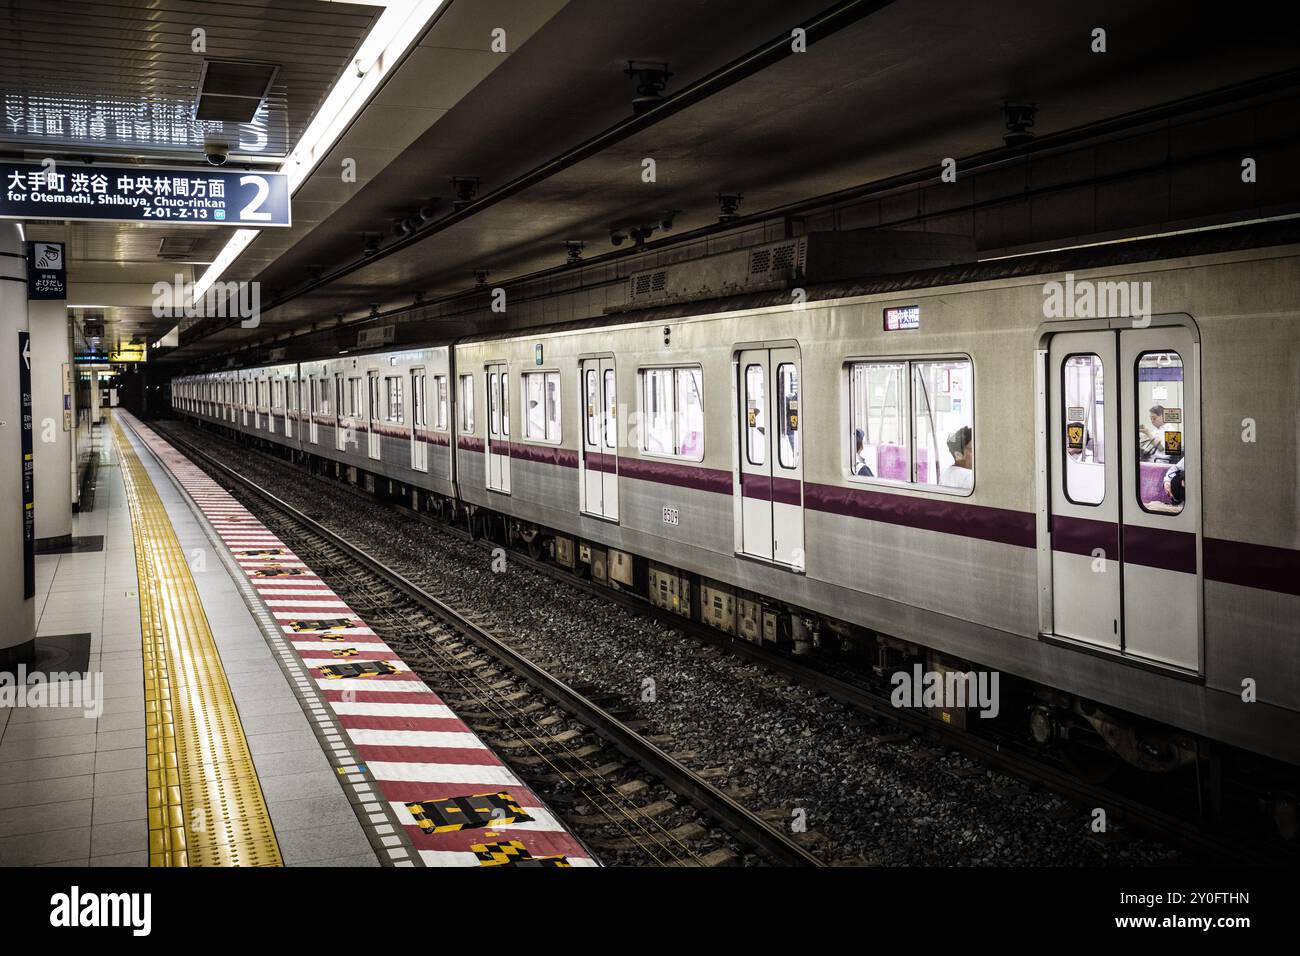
column 205, row 197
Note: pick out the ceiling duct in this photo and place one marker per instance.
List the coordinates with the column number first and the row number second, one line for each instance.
column 817, row 257
column 177, row 247
column 232, row 91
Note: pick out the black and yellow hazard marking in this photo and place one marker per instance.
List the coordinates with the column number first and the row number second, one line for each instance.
column 259, row 552
column 205, row 805
column 360, row 669
column 467, row 813
column 277, row 572
column 513, row 853
column 344, row 652
column 323, row 625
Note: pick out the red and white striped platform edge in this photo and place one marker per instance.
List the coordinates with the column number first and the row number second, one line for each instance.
column 412, row 744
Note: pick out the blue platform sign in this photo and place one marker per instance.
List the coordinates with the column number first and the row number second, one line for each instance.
column 212, row 197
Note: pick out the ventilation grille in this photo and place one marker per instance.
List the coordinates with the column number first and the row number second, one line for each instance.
column 231, row 91
column 177, row 247
column 760, row 261
column 647, row 283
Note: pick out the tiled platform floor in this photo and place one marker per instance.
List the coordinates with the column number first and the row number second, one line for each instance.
column 72, row 787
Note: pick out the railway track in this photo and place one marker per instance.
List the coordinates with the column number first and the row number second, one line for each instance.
column 1006, row 756
column 495, row 688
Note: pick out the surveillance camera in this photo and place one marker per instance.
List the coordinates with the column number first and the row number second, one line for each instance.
column 216, row 152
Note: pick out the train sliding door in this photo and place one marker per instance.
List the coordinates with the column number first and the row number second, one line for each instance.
column 373, row 435
column 497, row 447
column 598, row 468
column 770, row 499
column 419, row 422
column 1124, row 525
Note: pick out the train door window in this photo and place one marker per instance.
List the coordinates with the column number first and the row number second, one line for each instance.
column 943, row 439
column 374, row 413
column 1159, row 405
column 611, row 411
column 393, row 388
column 755, row 415
column 417, row 399
column 1083, row 428
column 505, row 404
column 467, row 404
column 440, row 396
column 787, row 383
column 494, row 406
column 593, row 407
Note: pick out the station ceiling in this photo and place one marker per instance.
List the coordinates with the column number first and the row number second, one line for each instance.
column 898, row 86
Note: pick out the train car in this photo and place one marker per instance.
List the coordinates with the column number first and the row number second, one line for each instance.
column 1017, row 465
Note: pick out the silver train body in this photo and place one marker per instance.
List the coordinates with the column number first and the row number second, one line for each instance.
column 1061, row 561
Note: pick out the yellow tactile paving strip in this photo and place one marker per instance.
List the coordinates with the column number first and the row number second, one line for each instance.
column 205, row 802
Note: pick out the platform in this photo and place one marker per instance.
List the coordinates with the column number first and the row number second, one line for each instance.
column 221, row 740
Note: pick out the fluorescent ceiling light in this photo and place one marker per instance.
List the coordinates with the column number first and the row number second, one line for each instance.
column 400, row 25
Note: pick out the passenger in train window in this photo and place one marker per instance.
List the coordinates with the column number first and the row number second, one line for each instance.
column 961, row 473
column 1151, row 441
column 860, row 466
column 1175, row 489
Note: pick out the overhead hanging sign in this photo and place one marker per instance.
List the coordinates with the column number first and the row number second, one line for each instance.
column 130, row 352
column 47, row 271
column 212, row 197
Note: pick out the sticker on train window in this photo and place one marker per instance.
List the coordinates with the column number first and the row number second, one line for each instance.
column 1173, row 416
column 902, row 317
column 1173, row 443
column 1074, row 435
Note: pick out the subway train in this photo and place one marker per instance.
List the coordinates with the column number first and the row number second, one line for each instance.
column 1076, row 468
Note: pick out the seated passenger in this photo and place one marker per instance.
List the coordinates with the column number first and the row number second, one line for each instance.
column 860, row 466
column 960, row 474
column 1175, row 488
column 1151, row 438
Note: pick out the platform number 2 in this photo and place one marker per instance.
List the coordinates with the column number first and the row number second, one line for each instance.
column 250, row 212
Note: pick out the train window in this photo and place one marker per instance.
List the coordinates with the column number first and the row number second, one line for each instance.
column 494, row 406
column 943, row 435
column 1159, row 438
column 541, row 392
column 1083, row 426
column 611, row 411
column 878, row 446
column 755, row 415
column 787, row 383
column 593, row 407
column 354, row 397
column 417, row 400
column 912, row 422
column 393, row 386
column 440, row 396
column 658, row 416
column 467, row 404
column 672, row 412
